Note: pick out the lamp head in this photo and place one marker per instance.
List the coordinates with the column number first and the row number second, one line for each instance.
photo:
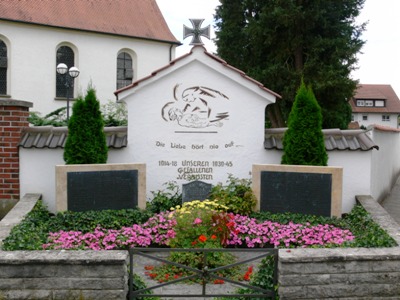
column 62, row 69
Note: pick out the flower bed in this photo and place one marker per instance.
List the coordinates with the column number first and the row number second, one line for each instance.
column 160, row 229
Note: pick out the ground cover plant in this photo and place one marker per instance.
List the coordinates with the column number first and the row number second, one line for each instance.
column 196, row 224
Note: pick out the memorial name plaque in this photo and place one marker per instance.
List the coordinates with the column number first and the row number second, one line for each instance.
column 100, row 190
column 297, row 192
column 195, row 190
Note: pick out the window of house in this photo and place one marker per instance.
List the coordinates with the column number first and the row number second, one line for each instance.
column 365, row 118
column 124, row 70
column 352, row 118
column 369, row 103
column 65, row 55
column 360, row 103
column 3, row 68
column 379, row 103
column 386, row 118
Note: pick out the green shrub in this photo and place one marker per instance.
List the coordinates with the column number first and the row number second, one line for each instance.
column 33, row 231
column 368, row 233
column 237, row 195
column 164, row 200
column 56, row 118
column 303, row 142
column 86, row 141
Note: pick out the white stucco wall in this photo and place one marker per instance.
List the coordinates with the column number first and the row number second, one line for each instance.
column 37, row 171
column 375, row 118
column 356, row 174
column 32, row 61
column 173, row 151
column 385, row 162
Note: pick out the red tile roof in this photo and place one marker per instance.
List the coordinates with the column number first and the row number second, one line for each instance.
column 132, row 18
column 376, row 92
column 219, row 60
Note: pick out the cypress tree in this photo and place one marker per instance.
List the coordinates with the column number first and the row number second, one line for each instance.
column 86, row 141
column 303, row 142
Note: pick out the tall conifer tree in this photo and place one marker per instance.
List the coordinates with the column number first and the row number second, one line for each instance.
column 303, row 142
column 280, row 42
column 86, row 141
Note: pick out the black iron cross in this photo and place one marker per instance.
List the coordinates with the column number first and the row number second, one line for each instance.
column 196, row 31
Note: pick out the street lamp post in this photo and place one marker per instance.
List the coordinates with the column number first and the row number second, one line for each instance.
column 70, row 75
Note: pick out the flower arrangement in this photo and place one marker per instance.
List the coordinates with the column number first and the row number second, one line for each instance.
column 199, row 225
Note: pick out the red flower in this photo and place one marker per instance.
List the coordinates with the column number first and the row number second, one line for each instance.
column 176, row 276
column 202, row 238
column 213, row 237
column 149, row 268
column 153, row 275
column 166, row 276
column 230, row 224
column 194, row 243
column 219, row 281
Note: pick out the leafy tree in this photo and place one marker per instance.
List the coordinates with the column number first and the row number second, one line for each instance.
column 279, row 42
column 303, row 142
column 86, row 141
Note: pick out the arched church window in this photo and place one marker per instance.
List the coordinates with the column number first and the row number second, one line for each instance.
column 124, row 70
column 65, row 55
column 3, row 68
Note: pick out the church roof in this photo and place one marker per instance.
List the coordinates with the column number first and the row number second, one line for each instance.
column 131, row 18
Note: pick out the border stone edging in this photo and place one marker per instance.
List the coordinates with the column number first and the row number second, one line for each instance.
column 17, row 214
column 380, row 216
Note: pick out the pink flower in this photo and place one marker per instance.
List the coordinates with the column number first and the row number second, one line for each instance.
column 197, row 221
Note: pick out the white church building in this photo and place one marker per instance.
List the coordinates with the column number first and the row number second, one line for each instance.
column 112, row 43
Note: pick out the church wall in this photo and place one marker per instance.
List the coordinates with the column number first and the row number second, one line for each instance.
column 32, row 61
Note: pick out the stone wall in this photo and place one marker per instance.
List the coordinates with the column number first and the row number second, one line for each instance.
column 358, row 273
column 63, row 274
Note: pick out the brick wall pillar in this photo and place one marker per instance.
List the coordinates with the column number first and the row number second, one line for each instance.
column 13, row 119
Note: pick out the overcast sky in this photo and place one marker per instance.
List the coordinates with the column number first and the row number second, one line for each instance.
column 379, row 63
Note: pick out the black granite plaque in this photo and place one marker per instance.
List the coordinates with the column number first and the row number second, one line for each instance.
column 306, row 193
column 195, row 190
column 99, row 190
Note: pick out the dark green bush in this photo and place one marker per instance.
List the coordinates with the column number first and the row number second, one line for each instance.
column 86, row 141
column 33, row 231
column 237, row 195
column 164, row 200
column 303, row 142
column 368, row 233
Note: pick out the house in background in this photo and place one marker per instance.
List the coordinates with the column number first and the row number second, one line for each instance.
column 375, row 104
column 112, row 43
